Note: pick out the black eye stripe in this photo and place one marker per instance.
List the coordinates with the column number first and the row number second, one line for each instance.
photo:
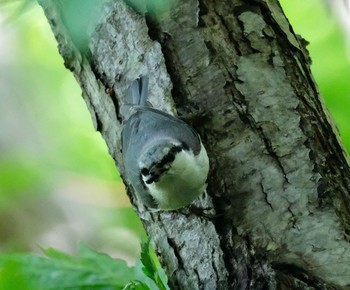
column 144, row 171
column 170, row 157
column 156, row 169
column 184, row 146
column 153, row 178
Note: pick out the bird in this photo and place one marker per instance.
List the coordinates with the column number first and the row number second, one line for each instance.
column 164, row 158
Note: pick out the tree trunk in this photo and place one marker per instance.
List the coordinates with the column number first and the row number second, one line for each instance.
column 279, row 184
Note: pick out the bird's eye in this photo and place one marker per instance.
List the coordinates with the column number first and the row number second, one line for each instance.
column 144, row 171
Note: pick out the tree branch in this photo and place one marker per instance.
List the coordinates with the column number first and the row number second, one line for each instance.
column 279, row 178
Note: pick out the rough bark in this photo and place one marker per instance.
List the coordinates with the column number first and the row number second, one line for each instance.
column 279, row 183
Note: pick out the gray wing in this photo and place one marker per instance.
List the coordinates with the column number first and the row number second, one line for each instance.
column 148, row 123
column 144, row 126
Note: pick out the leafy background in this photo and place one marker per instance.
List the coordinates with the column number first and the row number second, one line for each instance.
column 58, row 185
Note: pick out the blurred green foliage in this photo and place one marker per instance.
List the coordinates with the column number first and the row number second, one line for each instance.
column 151, row 267
column 330, row 56
column 58, row 184
column 79, row 17
column 89, row 270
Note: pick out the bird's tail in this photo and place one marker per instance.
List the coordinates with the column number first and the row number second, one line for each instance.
column 139, row 91
column 136, row 96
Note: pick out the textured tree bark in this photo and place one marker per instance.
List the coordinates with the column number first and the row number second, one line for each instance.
column 279, row 185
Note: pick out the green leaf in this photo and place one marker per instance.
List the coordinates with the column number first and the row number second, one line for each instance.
column 151, row 266
column 9, row 278
column 136, row 285
column 90, row 270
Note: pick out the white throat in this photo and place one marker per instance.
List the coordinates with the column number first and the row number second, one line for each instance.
column 183, row 182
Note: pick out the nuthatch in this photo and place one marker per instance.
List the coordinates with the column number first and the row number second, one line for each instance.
column 164, row 158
